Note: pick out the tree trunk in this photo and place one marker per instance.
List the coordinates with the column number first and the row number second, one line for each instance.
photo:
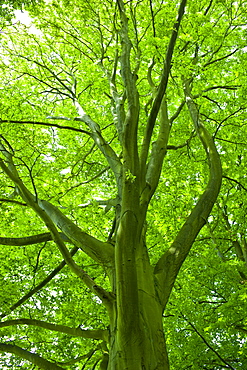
column 141, row 350
column 137, row 339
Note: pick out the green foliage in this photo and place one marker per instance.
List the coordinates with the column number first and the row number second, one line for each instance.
column 7, row 7
column 71, row 53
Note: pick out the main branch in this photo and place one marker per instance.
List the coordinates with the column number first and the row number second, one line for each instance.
column 129, row 141
column 169, row 264
column 162, row 87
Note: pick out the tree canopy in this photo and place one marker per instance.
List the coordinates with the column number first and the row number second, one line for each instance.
column 7, row 8
column 123, row 186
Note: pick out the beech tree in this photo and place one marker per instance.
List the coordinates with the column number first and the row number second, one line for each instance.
column 121, row 246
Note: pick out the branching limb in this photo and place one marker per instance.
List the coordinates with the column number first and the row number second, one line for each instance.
column 29, row 356
column 74, row 332
column 101, row 252
column 159, row 150
column 52, row 73
column 12, row 173
column 128, row 79
column 169, row 264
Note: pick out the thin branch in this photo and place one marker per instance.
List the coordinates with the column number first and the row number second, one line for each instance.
column 208, row 8
column 222, row 58
column 12, row 173
column 13, row 201
column 29, row 356
column 175, row 147
column 240, row 328
column 176, row 114
column 45, row 67
column 54, row 90
column 212, row 101
column 207, row 343
column 73, row 36
column 225, row 87
column 170, row 262
column 79, row 358
column 48, row 124
column 237, row 182
column 152, row 16
column 28, row 240
column 39, row 286
column 99, row 334
column 230, row 141
column 87, row 181
column 149, row 75
column 225, row 119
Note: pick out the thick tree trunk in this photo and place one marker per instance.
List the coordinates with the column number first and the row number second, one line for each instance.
column 142, row 346
column 143, row 350
column 137, row 339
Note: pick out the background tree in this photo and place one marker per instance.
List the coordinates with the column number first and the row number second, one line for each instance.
column 114, row 118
